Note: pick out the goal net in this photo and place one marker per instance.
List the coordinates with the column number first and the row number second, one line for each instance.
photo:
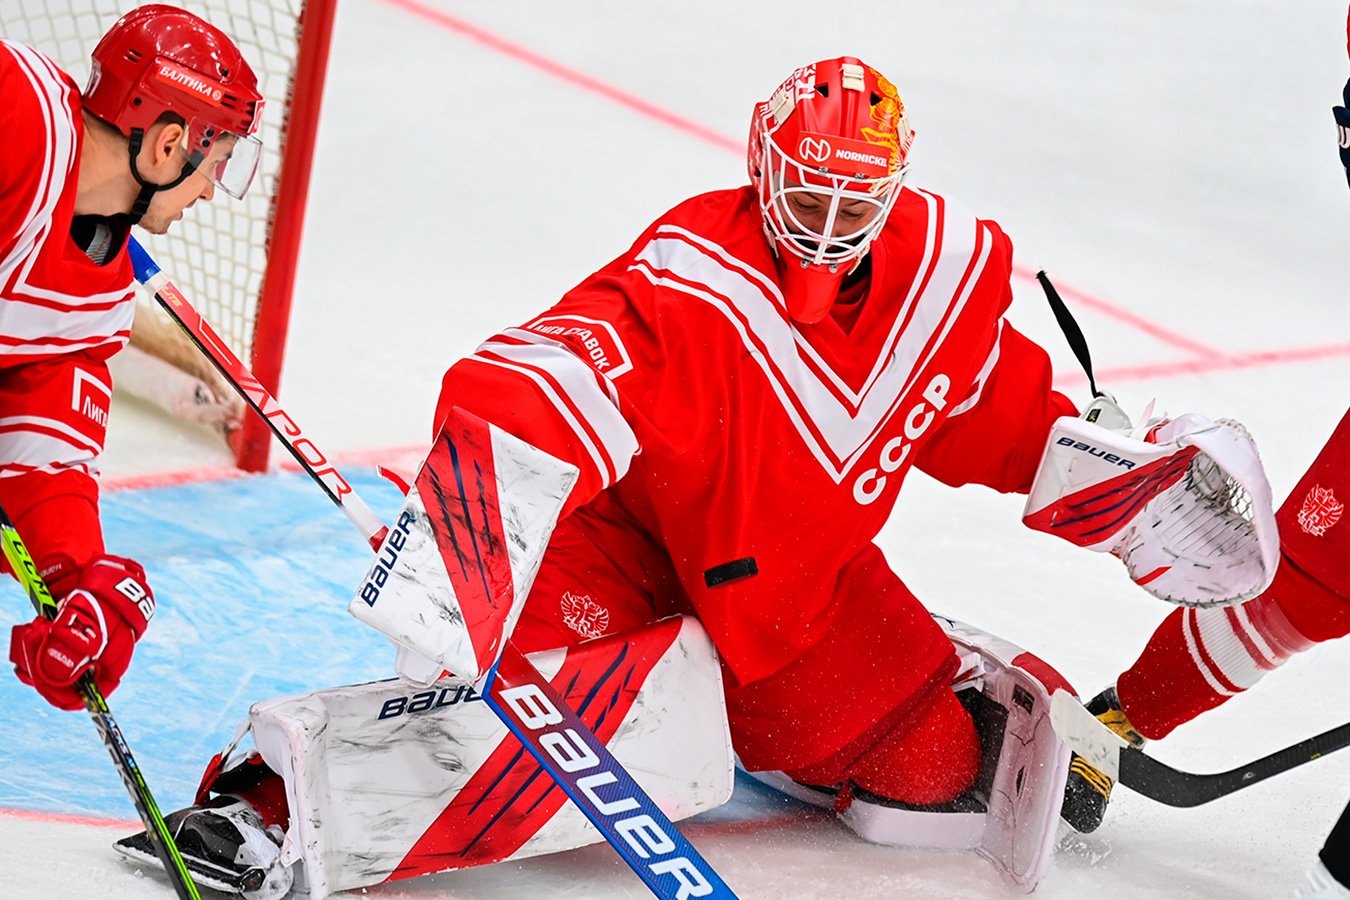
column 234, row 259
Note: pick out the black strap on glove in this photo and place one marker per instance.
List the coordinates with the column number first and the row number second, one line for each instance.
column 1069, row 325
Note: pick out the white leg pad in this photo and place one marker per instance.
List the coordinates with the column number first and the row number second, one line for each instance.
column 385, row 781
column 1027, row 789
column 915, row 828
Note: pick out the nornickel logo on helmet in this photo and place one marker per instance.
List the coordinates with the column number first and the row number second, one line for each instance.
column 815, row 150
column 855, row 156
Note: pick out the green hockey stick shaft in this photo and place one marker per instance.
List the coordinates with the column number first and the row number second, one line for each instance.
column 167, row 851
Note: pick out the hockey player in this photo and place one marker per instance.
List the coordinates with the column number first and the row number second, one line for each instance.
column 1329, row 877
column 741, row 394
column 1199, row 658
column 744, row 391
column 169, row 115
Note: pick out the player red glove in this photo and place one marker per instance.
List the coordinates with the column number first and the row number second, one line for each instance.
column 97, row 626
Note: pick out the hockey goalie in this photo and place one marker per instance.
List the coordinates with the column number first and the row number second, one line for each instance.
column 691, row 455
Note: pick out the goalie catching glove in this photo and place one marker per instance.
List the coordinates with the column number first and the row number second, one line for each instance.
column 1183, row 502
column 96, row 628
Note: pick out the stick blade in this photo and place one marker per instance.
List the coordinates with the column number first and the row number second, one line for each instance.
column 1085, row 734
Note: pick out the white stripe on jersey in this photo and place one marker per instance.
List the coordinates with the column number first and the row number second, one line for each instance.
column 969, row 403
column 28, row 442
column 86, row 467
column 574, row 389
column 605, row 380
column 52, row 96
column 836, row 429
column 36, row 320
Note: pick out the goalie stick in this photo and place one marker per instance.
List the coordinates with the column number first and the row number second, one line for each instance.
column 1141, row 773
column 577, row 761
column 161, row 841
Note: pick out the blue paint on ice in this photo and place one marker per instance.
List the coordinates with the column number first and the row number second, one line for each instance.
column 252, row 578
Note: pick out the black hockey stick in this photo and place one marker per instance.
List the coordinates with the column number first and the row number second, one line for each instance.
column 24, row 569
column 1091, row 739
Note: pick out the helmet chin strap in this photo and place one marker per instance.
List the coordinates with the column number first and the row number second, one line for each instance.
column 149, row 188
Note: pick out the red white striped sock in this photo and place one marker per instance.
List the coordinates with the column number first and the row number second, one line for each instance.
column 1198, row 658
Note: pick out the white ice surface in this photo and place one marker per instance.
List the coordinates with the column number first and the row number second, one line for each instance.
column 1174, row 158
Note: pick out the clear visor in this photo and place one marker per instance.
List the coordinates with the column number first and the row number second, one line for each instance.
column 231, row 162
column 820, row 217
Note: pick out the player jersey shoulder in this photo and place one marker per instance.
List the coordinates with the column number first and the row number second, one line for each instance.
column 40, row 133
column 925, row 225
column 725, row 219
column 56, row 300
column 645, row 290
column 918, row 210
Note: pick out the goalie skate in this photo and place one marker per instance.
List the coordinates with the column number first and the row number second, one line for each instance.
column 224, row 847
column 1089, row 788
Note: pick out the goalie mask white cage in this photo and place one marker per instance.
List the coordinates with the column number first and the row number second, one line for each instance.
column 235, row 259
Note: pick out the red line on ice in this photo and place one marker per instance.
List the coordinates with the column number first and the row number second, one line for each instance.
column 637, row 104
column 1096, row 304
column 66, row 819
column 1255, row 359
column 389, row 456
column 564, row 73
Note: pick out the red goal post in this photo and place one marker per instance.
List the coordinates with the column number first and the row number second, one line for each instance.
column 238, row 257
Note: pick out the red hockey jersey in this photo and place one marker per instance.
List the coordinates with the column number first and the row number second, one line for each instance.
column 675, row 380
column 61, row 315
column 53, row 298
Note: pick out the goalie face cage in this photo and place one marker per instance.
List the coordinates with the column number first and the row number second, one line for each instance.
column 237, row 256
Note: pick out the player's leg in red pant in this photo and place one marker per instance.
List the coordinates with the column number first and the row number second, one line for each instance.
column 1197, row 659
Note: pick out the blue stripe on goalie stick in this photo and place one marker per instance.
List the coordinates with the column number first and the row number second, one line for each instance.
column 582, row 766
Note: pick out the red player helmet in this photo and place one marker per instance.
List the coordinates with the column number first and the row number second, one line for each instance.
column 159, row 59
column 836, row 130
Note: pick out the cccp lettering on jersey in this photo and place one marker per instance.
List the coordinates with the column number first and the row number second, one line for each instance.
column 533, row 710
column 917, row 420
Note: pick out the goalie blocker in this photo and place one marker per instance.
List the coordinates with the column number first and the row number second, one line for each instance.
column 1183, row 502
column 440, row 611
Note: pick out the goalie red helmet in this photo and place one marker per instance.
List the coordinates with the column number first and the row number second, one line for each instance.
column 160, row 59
column 828, row 151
